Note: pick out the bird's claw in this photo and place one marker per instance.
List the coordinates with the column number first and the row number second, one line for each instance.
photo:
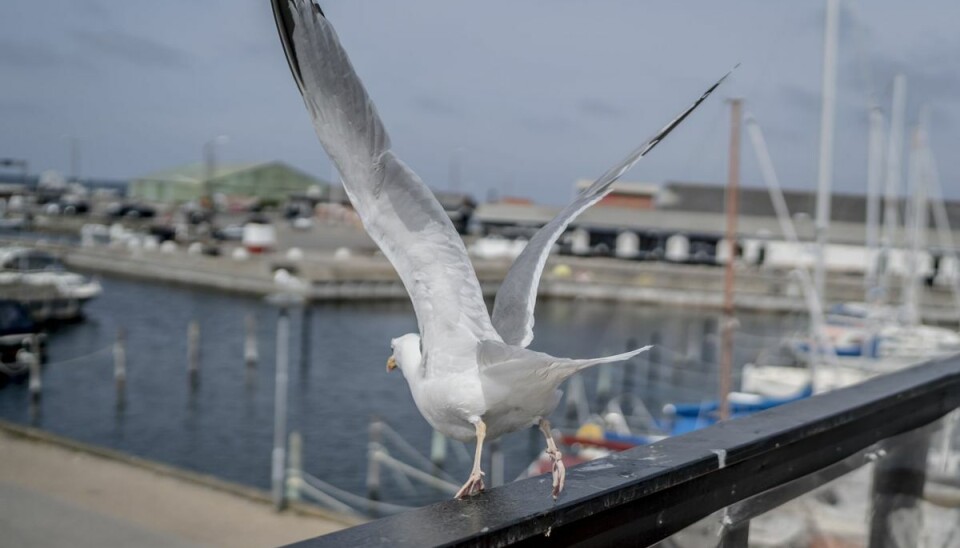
column 559, row 472
column 473, row 486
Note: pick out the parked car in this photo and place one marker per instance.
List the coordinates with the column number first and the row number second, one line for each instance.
column 129, row 210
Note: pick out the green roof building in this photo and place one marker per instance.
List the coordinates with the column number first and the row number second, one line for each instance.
column 270, row 182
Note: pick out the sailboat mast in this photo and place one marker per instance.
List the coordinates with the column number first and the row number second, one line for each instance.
column 912, row 224
column 945, row 235
column 918, row 172
column 827, row 118
column 733, row 190
column 874, row 181
column 892, row 190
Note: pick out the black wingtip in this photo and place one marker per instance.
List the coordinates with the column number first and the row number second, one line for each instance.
column 283, row 17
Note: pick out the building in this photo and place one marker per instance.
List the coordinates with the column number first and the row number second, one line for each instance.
column 626, row 195
column 686, row 222
column 755, row 202
column 270, row 182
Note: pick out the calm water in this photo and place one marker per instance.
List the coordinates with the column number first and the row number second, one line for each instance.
column 224, row 426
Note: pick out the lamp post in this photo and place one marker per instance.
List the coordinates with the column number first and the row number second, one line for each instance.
column 210, row 171
column 284, row 299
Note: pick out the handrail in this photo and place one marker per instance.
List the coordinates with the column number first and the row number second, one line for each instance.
column 648, row 493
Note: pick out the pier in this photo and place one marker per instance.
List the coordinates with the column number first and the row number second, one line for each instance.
column 58, row 492
column 370, row 277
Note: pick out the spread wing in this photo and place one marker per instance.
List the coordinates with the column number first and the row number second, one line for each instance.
column 397, row 209
column 513, row 308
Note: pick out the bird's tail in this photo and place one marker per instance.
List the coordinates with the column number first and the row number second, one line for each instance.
column 574, row 366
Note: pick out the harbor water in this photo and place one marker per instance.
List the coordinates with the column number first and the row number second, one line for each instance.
column 223, row 424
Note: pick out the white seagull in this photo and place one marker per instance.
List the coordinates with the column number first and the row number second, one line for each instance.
column 470, row 374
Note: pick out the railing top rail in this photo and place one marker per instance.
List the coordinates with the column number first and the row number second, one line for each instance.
column 648, row 493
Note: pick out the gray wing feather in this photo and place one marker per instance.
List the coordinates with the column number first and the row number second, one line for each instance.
column 513, row 308
column 398, row 211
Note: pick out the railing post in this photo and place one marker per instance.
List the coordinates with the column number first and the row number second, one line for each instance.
column 280, row 407
column 737, row 536
column 898, row 481
column 373, row 465
column 295, row 466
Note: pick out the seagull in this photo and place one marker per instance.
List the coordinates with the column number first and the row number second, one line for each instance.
column 470, row 373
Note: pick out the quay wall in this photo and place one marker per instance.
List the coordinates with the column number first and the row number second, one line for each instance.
column 364, row 277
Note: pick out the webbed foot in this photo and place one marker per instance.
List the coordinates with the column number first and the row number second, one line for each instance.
column 473, row 486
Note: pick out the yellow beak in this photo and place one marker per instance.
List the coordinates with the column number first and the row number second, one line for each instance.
column 391, row 364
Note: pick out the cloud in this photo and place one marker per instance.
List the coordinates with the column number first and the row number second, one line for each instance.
column 135, row 49
column 598, row 108
column 799, row 99
column 931, row 74
column 29, row 56
column 436, row 106
column 544, row 124
column 20, row 107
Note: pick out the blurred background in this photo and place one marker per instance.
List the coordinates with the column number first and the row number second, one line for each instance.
column 185, row 289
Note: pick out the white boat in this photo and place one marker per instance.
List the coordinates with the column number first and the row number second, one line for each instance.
column 40, row 281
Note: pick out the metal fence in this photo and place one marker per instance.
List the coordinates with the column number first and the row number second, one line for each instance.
column 740, row 468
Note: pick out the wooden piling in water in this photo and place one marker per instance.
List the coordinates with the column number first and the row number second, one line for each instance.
column 629, row 380
column 496, row 464
column 604, row 385
column 653, row 367
column 250, row 354
column 373, row 464
column 438, row 450
column 193, row 351
column 35, row 383
column 120, row 366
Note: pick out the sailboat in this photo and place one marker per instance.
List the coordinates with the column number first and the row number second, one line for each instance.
column 871, row 338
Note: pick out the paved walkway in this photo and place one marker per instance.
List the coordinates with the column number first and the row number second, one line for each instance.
column 53, row 496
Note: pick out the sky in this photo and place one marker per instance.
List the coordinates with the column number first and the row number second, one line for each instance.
column 519, row 97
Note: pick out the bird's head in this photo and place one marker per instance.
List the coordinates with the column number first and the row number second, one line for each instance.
column 406, row 355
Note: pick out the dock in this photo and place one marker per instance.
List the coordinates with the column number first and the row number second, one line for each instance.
column 57, row 492
column 365, row 276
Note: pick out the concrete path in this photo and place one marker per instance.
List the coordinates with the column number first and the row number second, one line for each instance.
column 54, row 496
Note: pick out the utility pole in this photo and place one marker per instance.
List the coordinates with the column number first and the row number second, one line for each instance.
column 732, row 199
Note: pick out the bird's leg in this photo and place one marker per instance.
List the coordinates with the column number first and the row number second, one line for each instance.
column 559, row 471
column 475, row 483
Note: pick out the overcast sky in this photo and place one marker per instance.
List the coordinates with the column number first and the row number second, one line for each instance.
column 530, row 95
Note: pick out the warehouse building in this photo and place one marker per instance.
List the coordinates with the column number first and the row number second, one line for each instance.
column 271, row 182
column 685, row 222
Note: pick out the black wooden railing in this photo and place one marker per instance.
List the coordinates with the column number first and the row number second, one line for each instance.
column 746, row 466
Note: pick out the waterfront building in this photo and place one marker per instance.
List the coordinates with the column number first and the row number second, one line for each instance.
column 270, row 182
column 684, row 222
